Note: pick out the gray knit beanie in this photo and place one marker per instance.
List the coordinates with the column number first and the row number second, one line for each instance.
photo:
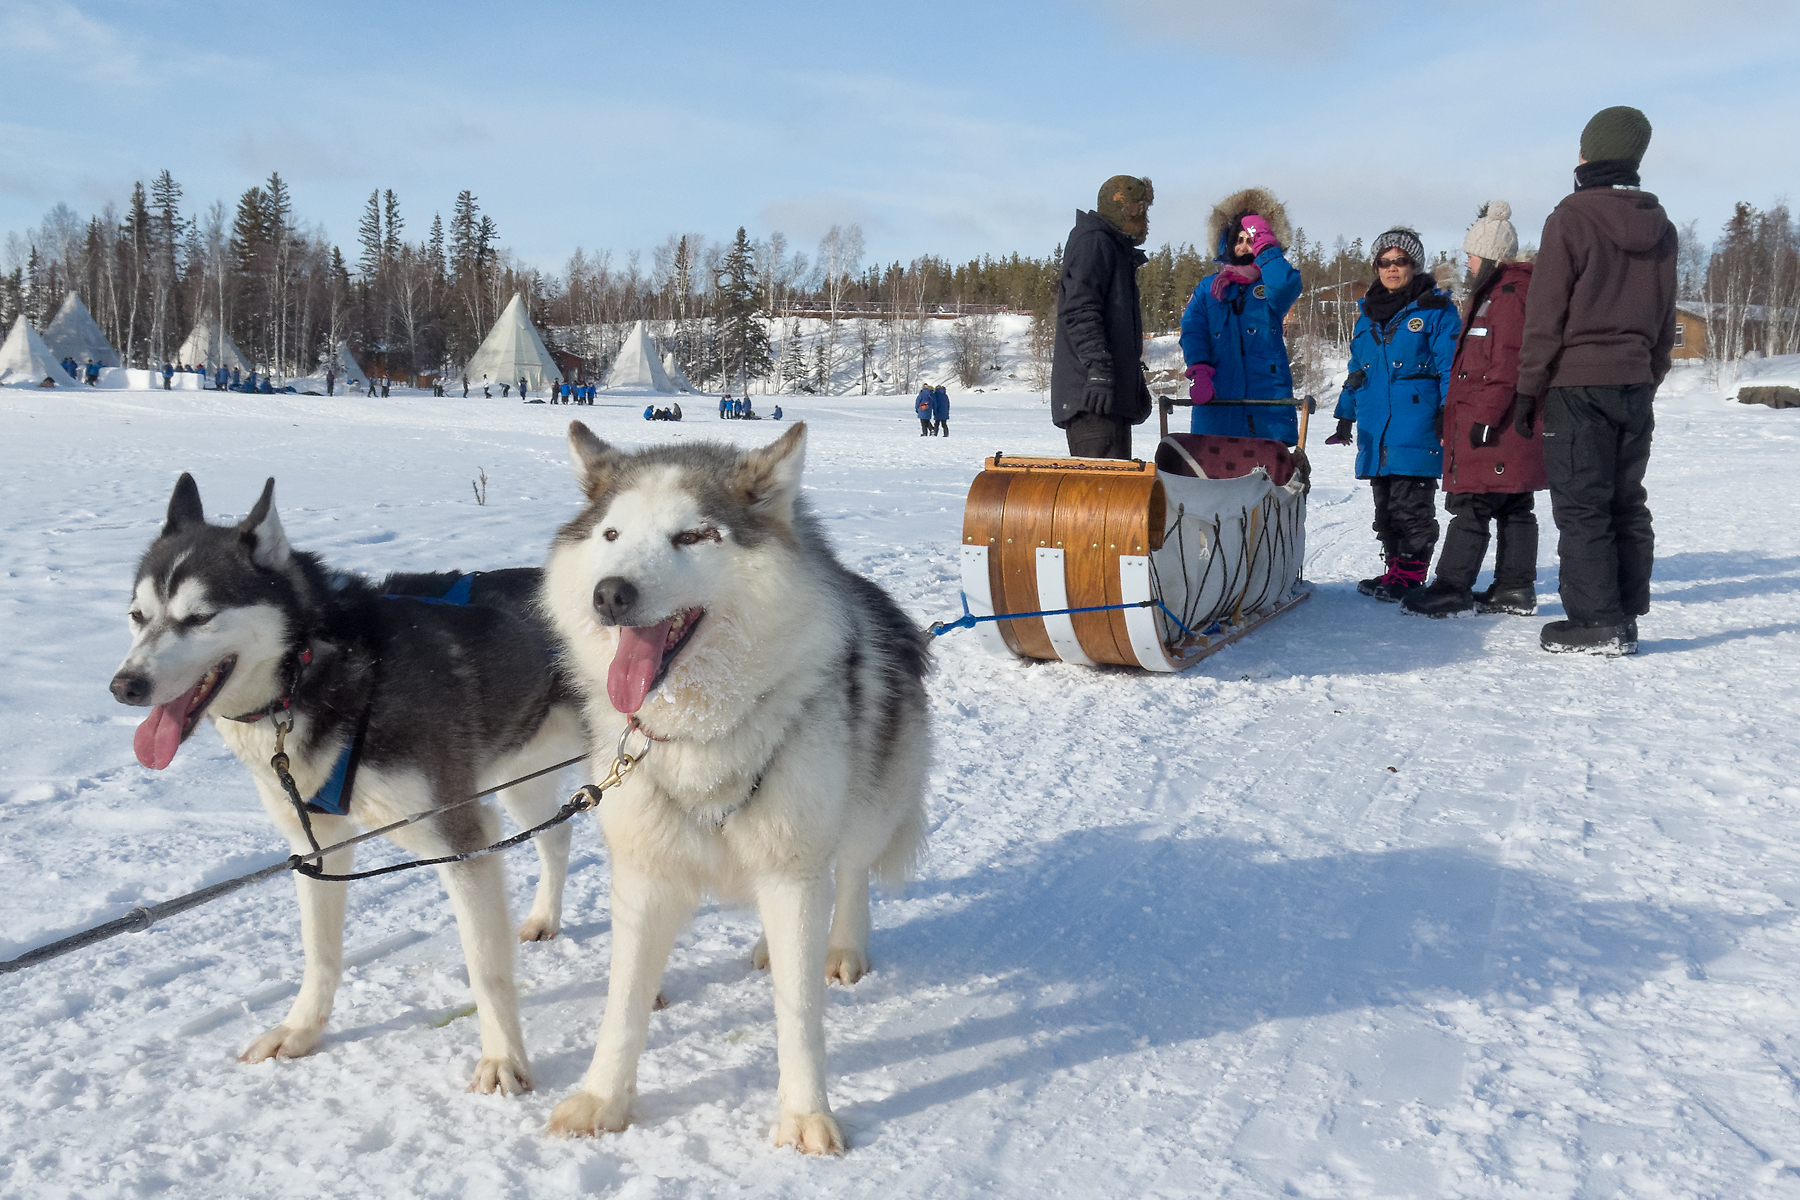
column 1621, row 132
column 1492, row 236
column 1403, row 240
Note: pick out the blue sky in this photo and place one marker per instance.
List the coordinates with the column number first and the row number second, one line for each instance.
column 954, row 128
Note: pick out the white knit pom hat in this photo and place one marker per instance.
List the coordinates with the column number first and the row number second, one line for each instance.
column 1492, row 236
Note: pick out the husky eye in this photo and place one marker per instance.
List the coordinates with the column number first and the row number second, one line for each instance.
column 611, row 535
column 693, row 537
column 138, row 618
column 197, row 620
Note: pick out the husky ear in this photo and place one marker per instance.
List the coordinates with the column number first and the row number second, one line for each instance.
column 263, row 535
column 184, row 506
column 595, row 462
column 768, row 479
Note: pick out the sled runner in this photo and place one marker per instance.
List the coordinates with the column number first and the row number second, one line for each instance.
column 1189, row 552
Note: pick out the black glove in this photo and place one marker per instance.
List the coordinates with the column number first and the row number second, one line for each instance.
column 1355, row 380
column 1345, row 435
column 1437, row 425
column 1522, row 414
column 1097, row 396
column 1482, row 436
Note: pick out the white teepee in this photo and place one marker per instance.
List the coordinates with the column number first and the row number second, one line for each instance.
column 210, row 346
column 637, row 366
column 25, row 360
column 676, row 375
column 73, row 333
column 513, row 351
column 344, row 364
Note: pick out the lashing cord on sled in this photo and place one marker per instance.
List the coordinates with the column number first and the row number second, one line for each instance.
column 969, row 620
column 584, row 799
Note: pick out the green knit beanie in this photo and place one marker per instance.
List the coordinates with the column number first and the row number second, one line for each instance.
column 1616, row 133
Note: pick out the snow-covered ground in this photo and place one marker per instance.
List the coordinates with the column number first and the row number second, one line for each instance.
column 1363, row 906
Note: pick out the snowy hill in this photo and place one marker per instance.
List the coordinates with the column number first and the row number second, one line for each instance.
column 1363, row 906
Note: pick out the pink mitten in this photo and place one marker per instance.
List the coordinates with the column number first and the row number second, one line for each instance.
column 1201, row 390
column 1261, row 236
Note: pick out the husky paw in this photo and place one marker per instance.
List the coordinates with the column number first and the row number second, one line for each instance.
column 759, row 954
column 587, row 1115
column 811, row 1133
column 282, row 1042
column 508, row 1076
column 845, row 965
column 539, row 929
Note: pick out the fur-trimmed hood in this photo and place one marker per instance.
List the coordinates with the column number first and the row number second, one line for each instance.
column 1260, row 201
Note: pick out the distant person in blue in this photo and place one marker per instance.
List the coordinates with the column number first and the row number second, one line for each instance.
column 649, row 411
column 940, row 410
column 168, row 374
column 1400, row 358
column 219, row 380
column 93, row 373
column 778, row 412
column 1231, row 332
column 922, row 407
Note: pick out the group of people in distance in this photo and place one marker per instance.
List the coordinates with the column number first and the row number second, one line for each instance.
column 932, row 405
column 741, row 409
column 1544, row 379
column 88, row 372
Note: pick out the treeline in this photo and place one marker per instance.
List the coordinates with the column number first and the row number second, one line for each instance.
column 151, row 271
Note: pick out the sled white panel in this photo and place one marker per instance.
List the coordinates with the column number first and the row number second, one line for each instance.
column 980, row 598
column 1140, row 623
column 1053, row 592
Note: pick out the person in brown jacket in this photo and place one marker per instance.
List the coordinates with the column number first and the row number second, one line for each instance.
column 1599, row 326
column 1490, row 471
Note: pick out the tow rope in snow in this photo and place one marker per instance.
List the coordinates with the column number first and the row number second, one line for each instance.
column 969, row 620
column 584, row 799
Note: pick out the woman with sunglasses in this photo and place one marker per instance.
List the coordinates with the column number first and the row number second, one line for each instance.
column 1231, row 332
column 1400, row 358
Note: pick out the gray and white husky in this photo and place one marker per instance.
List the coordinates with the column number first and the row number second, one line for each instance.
column 397, row 706
column 784, row 701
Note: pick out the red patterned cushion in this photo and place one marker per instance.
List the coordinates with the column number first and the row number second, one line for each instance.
column 1224, row 457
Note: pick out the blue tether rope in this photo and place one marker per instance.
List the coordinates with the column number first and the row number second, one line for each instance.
column 969, row 620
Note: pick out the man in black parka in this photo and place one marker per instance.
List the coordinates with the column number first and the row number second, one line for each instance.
column 1097, row 386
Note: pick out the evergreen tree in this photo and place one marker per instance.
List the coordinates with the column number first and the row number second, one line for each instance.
column 743, row 339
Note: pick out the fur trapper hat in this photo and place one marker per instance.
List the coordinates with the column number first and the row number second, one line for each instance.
column 1492, row 236
column 1222, row 226
column 1125, row 202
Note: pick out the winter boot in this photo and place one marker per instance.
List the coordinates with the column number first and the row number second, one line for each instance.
column 1570, row 637
column 1408, row 575
column 1514, row 601
column 1441, row 599
column 1367, row 586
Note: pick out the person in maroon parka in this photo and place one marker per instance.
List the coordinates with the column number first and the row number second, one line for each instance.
column 1490, row 471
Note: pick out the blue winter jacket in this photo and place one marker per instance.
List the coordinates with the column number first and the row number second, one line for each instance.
column 940, row 404
column 1241, row 337
column 922, row 404
column 1398, row 374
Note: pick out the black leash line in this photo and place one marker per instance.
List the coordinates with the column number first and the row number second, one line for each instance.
column 140, row 919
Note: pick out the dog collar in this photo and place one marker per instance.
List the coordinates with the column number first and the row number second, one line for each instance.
column 285, row 701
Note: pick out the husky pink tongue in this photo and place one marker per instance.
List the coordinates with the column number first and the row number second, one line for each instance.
column 635, row 666
column 159, row 737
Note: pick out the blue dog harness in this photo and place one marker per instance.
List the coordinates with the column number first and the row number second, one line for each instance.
column 340, row 785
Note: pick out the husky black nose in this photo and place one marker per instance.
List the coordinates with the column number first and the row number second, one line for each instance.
column 130, row 689
column 614, row 597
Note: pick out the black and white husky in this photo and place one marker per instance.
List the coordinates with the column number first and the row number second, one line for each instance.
column 784, row 701
column 398, row 705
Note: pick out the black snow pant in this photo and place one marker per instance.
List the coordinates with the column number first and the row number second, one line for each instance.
column 1406, row 515
column 1596, row 448
column 1466, row 541
column 924, row 426
column 943, row 427
column 1094, row 435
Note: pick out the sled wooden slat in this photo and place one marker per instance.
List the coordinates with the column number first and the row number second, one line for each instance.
column 1026, row 522
column 981, row 527
column 1080, row 523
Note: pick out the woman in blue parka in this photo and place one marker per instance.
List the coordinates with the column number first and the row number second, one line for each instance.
column 1400, row 360
column 1231, row 332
